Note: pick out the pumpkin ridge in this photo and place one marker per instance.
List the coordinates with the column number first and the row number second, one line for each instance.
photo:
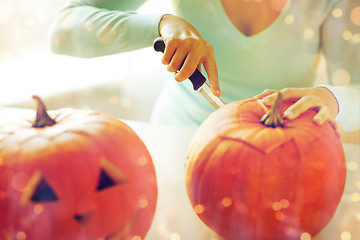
column 58, row 115
column 201, row 166
column 204, row 166
column 75, row 132
column 255, row 209
column 52, row 137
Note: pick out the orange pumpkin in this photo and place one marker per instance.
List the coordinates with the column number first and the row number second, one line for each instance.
column 254, row 179
column 79, row 175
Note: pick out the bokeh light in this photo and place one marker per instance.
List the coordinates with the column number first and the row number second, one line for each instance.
column 175, row 236
column 347, row 35
column 136, row 238
column 289, row 19
column 355, row 16
column 345, row 236
column 356, row 38
column 308, row 33
column 114, row 100
column 142, row 161
column 279, row 216
column 125, row 102
column 358, row 184
column 284, row 203
column 161, row 230
column 226, row 201
column 305, row 236
column 199, row 209
column 341, row 78
column 19, row 181
column 337, row 13
column 38, row 209
column 143, row 202
column 276, row 206
column 352, row 166
column 355, row 197
column 20, row 236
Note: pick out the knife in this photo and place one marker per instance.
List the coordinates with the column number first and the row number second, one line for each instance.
column 197, row 79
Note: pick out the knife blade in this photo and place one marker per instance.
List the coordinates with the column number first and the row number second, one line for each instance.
column 197, row 79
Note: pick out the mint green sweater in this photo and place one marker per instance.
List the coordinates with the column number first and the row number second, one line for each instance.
column 286, row 54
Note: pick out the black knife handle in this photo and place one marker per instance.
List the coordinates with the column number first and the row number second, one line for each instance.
column 197, row 79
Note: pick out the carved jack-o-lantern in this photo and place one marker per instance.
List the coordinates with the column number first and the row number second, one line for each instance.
column 83, row 175
column 253, row 175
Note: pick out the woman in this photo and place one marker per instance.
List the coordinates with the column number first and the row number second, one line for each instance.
column 245, row 47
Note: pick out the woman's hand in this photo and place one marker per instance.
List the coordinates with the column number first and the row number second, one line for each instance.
column 184, row 45
column 318, row 98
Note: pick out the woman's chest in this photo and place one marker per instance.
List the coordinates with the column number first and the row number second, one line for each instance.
column 252, row 16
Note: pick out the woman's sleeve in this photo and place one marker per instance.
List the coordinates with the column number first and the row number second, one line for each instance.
column 340, row 42
column 92, row 28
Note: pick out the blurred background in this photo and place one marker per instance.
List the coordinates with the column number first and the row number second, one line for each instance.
column 124, row 85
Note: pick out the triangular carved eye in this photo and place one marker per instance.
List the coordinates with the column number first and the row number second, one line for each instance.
column 110, row 175
column 43, row 192
column 105, row 181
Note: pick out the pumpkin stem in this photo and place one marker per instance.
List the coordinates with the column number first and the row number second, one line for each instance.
column 273, row 116
column 42, row 117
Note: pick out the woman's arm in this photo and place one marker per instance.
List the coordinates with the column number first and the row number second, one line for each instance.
column 92, row 28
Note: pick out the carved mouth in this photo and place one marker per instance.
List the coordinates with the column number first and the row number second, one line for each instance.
column 124, row 230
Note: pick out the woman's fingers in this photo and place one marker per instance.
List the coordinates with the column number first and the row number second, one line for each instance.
column 292, row 93
column 185, row 59
column 302, row 105
column 186, row 50
column 306, row 98
column 168, row 53
column 188, row 67
column 212, row 72
column 177, row 61
column 266, row 93
column 322, row 116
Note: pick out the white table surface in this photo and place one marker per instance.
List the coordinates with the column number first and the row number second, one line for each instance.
column 174, row 218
